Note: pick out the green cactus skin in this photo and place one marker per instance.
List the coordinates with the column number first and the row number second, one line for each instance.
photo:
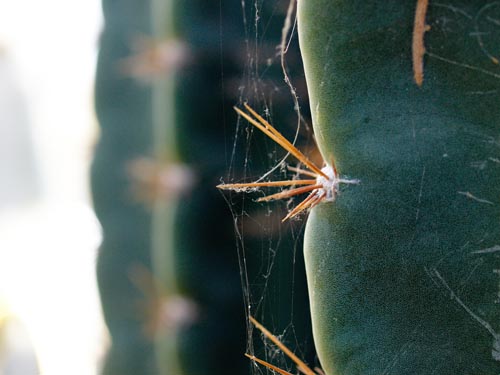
column 123, row 110
column 403, row 268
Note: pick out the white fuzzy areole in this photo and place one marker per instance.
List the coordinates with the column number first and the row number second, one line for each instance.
column 331, row 184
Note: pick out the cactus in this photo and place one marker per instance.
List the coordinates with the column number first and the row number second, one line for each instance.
column 402, row 268
column 123, row 110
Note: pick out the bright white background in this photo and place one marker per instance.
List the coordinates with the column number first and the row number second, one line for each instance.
column 48, row 233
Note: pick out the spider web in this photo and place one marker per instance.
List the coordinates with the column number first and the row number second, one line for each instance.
column 270, row 252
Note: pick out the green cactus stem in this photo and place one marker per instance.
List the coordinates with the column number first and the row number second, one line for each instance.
column 123, row 110
column 403, row 267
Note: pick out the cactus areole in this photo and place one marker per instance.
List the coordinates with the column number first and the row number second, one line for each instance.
column 403, row 268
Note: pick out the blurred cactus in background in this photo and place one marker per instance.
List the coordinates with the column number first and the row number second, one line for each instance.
column 168, row 269
column 124, row 114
